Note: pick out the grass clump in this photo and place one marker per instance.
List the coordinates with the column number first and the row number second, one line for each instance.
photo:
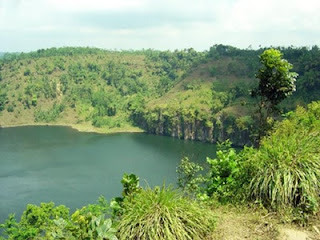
column 285, row 169
column 163, row 213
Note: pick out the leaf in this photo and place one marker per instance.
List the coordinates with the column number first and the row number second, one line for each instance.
column 108, row 223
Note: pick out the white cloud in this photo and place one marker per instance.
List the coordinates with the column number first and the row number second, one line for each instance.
column 162, row 24
column 94, row 5
column 273, row 15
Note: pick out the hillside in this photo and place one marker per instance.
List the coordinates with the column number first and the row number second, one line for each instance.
column 76, row 85
column 212, row 103
column 185, row 94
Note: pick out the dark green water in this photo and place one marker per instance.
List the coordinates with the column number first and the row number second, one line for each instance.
column 42, row 164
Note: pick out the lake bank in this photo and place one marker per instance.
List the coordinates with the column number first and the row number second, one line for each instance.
column 81, row 127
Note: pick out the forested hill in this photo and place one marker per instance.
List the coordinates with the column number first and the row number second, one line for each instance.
column 186, row 94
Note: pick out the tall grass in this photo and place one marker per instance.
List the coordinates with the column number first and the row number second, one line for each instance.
column 163, row 213
column 286, row 167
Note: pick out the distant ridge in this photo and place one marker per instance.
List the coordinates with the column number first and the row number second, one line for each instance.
column 183, row 93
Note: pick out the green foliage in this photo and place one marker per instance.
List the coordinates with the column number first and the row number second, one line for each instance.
column 245, row 122
column 10, row 108
column 48, row 221
column 90, row 223
column 130, row 184
column 189, row 179
column 163, row 213
column 36, row 221
column 285, row 170
column 276, row 80
column 276, row 83
column 193, row 85
column 105, row 122
column 3, row 100
column 34, row 100
column 48, row 88
column 27, row 72
column 105, row 103
column 101, row 229
column 49, row 115
column 113, row 89
column 213, row 71
column 223, row 176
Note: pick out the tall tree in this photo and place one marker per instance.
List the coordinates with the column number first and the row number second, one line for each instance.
column 276, row 83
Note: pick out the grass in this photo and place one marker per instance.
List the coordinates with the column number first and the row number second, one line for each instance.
column 286, row 167
column 163, row 213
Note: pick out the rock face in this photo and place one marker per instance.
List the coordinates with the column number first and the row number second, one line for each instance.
column 194, row 126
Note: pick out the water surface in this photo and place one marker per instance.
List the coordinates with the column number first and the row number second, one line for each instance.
column 60, row 164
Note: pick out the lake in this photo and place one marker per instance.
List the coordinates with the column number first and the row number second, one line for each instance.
column 60, row 164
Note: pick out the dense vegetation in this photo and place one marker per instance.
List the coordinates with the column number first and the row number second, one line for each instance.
column 185, row 94
column 282, row 174
column 189, row 95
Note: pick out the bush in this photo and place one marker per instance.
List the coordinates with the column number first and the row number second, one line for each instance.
column 48, row 221
column 27, row 72
column 106, row 122
column 10, row 108
column 285, row 170
column 213, row 71
column 163, row 213
column 35, row 221
column 189, row 178
column 3, row 100
column 223, row 182
column 89, row 222
column 50, row 115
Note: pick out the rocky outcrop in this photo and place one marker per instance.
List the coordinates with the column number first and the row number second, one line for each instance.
column 191, row 125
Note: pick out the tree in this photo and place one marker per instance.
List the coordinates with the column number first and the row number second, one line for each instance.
column 3, row 100
column 277, row 82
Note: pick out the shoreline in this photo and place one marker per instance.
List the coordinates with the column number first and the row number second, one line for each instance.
column 81, row 128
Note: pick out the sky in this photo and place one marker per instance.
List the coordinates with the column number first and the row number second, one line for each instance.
column 28, row 25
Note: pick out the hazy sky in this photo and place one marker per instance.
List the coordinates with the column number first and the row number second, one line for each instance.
column 27, row 25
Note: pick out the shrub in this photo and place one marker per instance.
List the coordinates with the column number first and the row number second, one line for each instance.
column 285, row 169
column 34, row 100
column 189, row 178
column 27, row 72
column 3, row 100
column 50, row 115
column 130, row 184
column 48, row 221
column 163, row 213
column 89, row 222
column 100, row 122
column 10, row 108
column 213, row 71
column 223, row 182
column 88, row 226
column 35, row 221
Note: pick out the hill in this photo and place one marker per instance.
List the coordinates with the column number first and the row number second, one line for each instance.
column 185, row 94
column 213, row 103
